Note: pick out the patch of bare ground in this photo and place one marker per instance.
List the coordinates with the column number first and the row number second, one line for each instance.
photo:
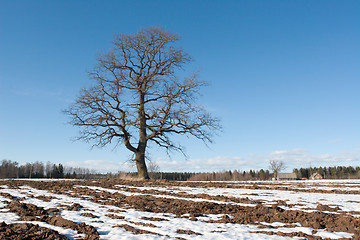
column 239, row 214
column 16, row 231
column 235, row 214
column 354, row 213
column 316, row 220
column 30, row 212
column 154, row 219
column 116, row 210
column 136, row 230
column 42, row 198
column 247, row 215
column 90, row 215
column 74, row 207
column 187, row 195
column 114, row 216
column 110, row 183
column 188, row 232
column 274, row 227
column 90, row 232
column 322, row 207
column 292, row 234
column 143, row 224
column 247, row 185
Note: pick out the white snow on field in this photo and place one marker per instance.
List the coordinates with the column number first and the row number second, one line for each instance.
column 328, row 185
column 108, row 227
column 165, row 196
column 8, row 217
column 300, row 200
column 325, row 184
column 69, row 233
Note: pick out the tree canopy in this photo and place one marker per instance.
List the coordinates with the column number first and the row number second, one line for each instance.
column 138, row 98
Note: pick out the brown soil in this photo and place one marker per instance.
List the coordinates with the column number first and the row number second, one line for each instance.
column 136, row 230
column 218, row 231
column 113, row 216
column 154, row 219
column 143, row 224
column 239, row 214
column 87, row 214
column 189, row 232
column 235, row 214
column 292, row 234
column 29, row 231
column 321, row 207
column 90, row 232
column 186, row 195
column 30, row 212
column 74, row 207
column 116, row 211
column 246, row 185
column 43, row 198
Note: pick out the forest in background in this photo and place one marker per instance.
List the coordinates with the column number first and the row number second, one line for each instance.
column 337, row 172
column 12, row 169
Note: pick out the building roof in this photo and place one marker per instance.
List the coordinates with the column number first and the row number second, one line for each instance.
column 287, row 175
column 315, row 174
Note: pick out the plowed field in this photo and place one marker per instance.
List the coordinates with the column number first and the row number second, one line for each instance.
column 118, row 209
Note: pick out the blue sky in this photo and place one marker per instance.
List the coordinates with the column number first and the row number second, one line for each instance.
column 284, row 79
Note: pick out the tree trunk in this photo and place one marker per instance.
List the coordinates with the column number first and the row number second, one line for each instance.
column 140, row 154
column 141, row 166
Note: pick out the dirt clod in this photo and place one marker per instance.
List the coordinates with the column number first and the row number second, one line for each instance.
column 136, row 230
column 18, row 231
column 189, row 232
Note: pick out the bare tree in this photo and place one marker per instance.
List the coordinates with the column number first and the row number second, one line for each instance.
column 154, row 170
column 38, row 169
column 9, row 169
column 276, row 166
column 137, row 97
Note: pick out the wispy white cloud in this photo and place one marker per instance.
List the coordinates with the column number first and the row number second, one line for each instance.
column 303, row 158
column 294, row 158
column 206, row 164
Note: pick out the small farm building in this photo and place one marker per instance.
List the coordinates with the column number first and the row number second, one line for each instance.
column 286, row 176
column 316, row 176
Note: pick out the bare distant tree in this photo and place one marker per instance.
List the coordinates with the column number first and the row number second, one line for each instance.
column 48, row 168
column 38, row 169
column 276, row 166
column 137, row 97
column 9, row 169
column 154, row 170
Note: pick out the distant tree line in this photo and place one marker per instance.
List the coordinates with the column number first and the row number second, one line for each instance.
column 171, row 176
column 12, row 169
column 207, row 176
column 338, row 172
column 232, row 175
column 193, row 176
